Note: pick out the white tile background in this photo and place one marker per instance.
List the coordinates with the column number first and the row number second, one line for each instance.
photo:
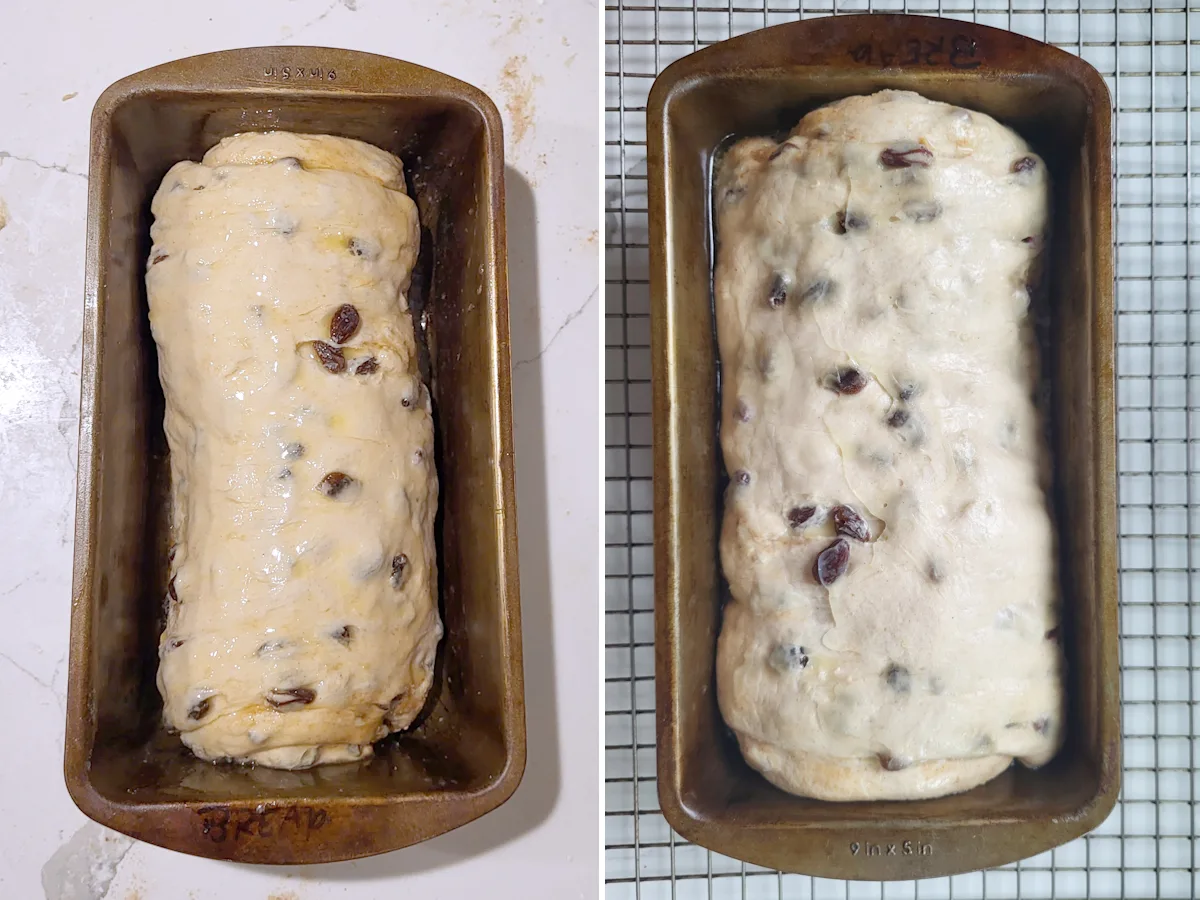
column 1148, row 847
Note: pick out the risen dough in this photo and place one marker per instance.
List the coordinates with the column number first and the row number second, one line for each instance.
column 871, row 291
column 301, row 617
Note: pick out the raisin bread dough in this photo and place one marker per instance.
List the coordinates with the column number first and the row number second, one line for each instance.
column 301, row 615
column 892, row 632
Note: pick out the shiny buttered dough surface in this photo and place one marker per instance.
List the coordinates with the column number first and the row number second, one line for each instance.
column 302, row 619
column 893, row 627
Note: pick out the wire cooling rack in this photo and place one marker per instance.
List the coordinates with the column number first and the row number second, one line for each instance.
column 1148, row 846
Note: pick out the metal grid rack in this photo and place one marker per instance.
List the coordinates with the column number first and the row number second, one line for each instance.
column 1148, row 847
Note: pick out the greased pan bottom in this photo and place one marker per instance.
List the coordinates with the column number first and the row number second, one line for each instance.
column 467, row 752
column 763, row 83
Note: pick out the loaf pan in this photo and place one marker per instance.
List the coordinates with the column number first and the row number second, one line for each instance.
column 762, row 84
column 467, row 753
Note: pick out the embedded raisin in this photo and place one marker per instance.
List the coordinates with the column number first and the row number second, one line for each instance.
column 934, row 572
column 798, row 515
column 159, row 258
column 850, row 221
column 331, row 357
column 832, row 562
column 902, row 158
column 908, row 391
column 344, row 324
column 283, row 697
column 292, row 451
column 850, row 523
column 200, row 709
column 367, row 366
column 1024, row 164
column 1042, row 725
column 742, row 412
column 894, row 763
column 898, row 678
column 779, row 151
column 1052, row 634
column 788, row 658
column 848, row 380
column 922, row 211
column 176, row 643
column 742, row 477
column 362, row 248
column 344, row 635
column 778, row 293
column 269, row 647
column 399, row 564
column 818, row 290
column 171, row 589
column 898, row 418
column 334, row 484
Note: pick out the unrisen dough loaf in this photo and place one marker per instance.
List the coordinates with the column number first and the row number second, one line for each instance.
column 301, row 618
column 878, row 379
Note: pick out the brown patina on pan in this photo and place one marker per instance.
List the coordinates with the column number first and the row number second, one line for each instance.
column 763, row 83
column 466, row 755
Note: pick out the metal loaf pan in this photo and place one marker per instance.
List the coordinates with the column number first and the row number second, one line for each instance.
column 467, row 753
column 763, row 83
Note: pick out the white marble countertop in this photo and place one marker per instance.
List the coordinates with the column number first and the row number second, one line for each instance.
column 539, row 62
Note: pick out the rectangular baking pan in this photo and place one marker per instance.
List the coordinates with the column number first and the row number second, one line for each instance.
column 762, row 84
column 467, row 754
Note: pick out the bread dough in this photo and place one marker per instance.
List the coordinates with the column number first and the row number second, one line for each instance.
column 878, row 371
column 302, row 620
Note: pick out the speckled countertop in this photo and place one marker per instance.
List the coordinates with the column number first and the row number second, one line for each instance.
column 538, row 61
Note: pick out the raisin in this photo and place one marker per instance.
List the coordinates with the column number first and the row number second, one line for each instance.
column 798, row 515
column 331, row 357
column 269, row 647
column 934, row 572
column 1042, row 725
column 334, row 484
column 908, row 391
column 1052, row 634
column 1031, row 240
column 344, row 635
column 284, row 474
column 780, row 150
column 818, row 290
column 293, row 451
column 367, row 366
column 399, row 564
column 1024, row 164
column 283, row 697
column 788, row 658
column 344, row 324
column 171, row 589
column 362, row 249
column 894, row 763
column 847, row 380
column 849, row 221
column 159, row 258
column 778, row 293
column 850, row 523
column 200, row 709
column 898, row 418
column 832, row 562
column 176, row 643
column 742, row 412
column 406, row 402
column 922, row 211
column 742, row 477
column 899, row 158
column 898, row 678
column 734, row 193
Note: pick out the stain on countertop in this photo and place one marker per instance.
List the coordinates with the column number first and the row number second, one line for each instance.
column 84, row 867
column 518, row 86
